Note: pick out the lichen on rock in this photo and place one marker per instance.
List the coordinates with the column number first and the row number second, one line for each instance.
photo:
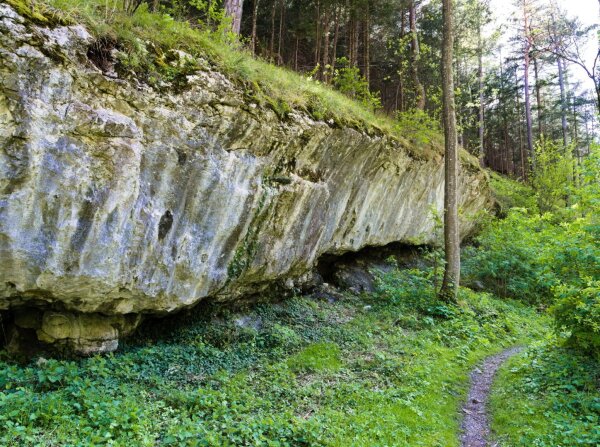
column 118, row 200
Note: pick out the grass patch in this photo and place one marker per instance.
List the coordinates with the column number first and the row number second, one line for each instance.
column 388, row 368
column 547, row 397
column 317, row 357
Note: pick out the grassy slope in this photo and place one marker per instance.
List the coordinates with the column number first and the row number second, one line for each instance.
column 145, row 38
column 315, row 373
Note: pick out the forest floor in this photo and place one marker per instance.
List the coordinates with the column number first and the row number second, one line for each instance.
column 384, row 369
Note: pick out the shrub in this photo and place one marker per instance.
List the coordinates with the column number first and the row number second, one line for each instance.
column 348, row 80
column 553, row 176
column 418, row 126
column 578, row 310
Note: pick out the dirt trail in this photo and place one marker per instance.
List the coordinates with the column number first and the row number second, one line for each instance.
column 475, row 426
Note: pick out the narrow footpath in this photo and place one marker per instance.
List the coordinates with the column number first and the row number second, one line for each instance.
column 475, row 426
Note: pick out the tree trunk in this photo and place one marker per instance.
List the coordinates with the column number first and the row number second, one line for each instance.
column 254, row 19
column 233, row 9
column 326, row 43
column 355, row 40
column 280, row 41
column 347, row 34
column 523, row 156
column 449, row 288
column 296, row 54
column 400, row 89
column 563, row 105
column 318, row 35
column 597, row 85
column 272, row 42
column 480, row 82
column 526, row 64
column 538, row 96
column 575, row 124
column 415, row 56
column 335, row 43
column 368, row 46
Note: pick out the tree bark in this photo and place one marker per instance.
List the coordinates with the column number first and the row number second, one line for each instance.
column 563, row 104
column 296, row 53
column 480, row 129
column 415, row 56
column 526, row 64
column 449, row 288
column 318, row 35
column 335, row 43
column 326, row 44
column 575, row 124
column 254, row 19
column 400, row 89
column 272, row 42
column 280, row 40
column 538, row 96
column 523, row 156
column 355, row 40
column 368, row 46
column 233, row 9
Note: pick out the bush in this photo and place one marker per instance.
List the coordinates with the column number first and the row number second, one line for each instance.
column 348, row 80
column 578, row 310
column 418, row 126
column 553, row 176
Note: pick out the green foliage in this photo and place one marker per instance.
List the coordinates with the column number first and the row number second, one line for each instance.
column 578, row 310
column 527, row 256
column 552, row 258
column 512, row 194
column 547, row 397
column 418, row 126
column 348, row 80
column 552, row 177
column 383, row 369
column 586, row 190
column 316, row 357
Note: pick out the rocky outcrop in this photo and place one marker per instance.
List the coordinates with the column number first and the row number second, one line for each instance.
column 117, row 200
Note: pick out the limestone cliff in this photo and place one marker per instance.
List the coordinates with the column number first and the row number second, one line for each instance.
column 117, row 200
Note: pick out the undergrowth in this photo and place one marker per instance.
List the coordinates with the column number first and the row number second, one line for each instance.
column 384, row 369
column 545, row 250
column 547, row 397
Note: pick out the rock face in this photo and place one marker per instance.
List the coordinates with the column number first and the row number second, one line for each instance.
column 116, row 200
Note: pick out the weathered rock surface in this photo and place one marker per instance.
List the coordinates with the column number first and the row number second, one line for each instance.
column 118, row 200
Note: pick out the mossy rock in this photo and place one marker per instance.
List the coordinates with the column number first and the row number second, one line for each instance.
column 39, row 14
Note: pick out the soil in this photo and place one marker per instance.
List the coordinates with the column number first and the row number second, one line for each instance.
column 475, row 426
